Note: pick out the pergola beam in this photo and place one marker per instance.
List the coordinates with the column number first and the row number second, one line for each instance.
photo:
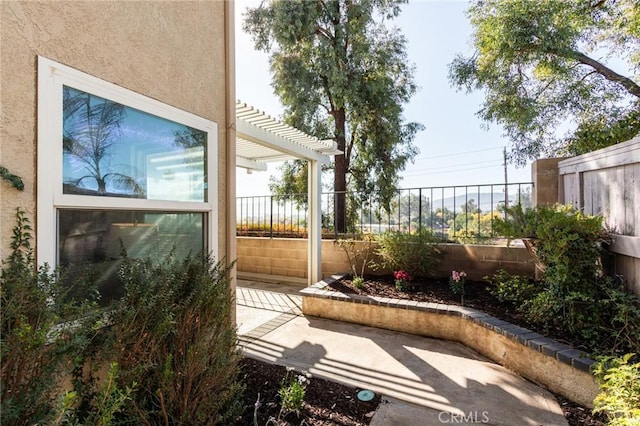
column 250, row 164
column 263, row 137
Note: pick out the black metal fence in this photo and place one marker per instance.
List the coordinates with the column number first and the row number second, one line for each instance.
column 458, row 213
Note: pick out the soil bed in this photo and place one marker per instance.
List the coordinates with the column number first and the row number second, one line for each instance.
column 477, row 297
column 326, row 403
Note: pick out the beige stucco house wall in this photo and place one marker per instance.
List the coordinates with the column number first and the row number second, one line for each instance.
column 175, row 52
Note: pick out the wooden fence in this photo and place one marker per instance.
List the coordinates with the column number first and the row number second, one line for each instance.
column 607, row 182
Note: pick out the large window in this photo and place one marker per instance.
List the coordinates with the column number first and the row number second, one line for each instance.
column 119, row 170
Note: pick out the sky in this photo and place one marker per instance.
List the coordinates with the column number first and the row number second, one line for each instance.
column 455, row 148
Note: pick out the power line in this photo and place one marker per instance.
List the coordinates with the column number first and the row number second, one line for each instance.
column 458, row 153
column 453, row 171
column 455, row 166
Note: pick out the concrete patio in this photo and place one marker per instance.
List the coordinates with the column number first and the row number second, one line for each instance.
column 423, row 381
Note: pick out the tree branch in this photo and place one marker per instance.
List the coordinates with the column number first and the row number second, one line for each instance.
column 607, row 72
column 324, row 33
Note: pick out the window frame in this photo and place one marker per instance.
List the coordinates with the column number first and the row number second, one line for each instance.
column 52, row 76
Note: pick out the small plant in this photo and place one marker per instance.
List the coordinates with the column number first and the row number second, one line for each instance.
column 292, row 391
column 14, row 180
column 402, row 280
column 358, row 282
column 418, row 254
column 359, row 255
column 619, row 396
column 457, row 283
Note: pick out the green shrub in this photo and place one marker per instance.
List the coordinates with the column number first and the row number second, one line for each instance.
column 574, row 295
column 619, row 396
column 513, row 288
column 417, row 254
column 173, row 336
column 37, row 347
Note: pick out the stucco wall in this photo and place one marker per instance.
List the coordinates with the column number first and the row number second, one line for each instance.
column 170, row 51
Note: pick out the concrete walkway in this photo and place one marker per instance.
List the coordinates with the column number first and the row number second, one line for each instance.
column 423, row 381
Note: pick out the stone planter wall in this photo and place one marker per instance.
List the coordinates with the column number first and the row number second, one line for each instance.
column 555, row 365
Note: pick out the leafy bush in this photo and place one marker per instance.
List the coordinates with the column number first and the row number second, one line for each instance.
column 170, row 346
column 567, row 246
column 37, row 348
column 173, row 336
column 417, row 254
column 513, row 288
column 574, row 295
column 619, row 396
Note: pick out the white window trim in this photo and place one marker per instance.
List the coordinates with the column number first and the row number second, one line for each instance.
column 52, row 76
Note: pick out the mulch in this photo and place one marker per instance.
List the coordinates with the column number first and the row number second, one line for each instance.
column 326, row 403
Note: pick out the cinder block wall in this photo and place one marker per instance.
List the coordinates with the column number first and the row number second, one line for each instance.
column 288, row 257
column 272, row 256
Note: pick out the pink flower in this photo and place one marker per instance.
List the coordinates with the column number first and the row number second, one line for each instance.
column 402, row 275
column 458, row 276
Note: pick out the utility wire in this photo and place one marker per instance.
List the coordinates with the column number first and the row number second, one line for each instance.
column 452, row 171
column 456, row 165
column 427, row 157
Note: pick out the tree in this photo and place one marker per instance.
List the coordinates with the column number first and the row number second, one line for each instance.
column 91, row 129
column 342, row 74
column 548, row 65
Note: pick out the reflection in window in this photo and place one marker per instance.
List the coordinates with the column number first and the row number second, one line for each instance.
column 113, row 150
column 98, row 236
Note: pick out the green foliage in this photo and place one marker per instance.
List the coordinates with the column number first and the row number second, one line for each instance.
column 93, row 403
column 292, row 391
column 619, row 396
column 359, row 254
column 567, row 245
column 544, row 63
column 171, row 344
column 14, row 180
column 342, row 74
column 417, row 254
column 358, row 282
column 472, row 227
column 516, row 289
column 294, row 182
column 173, row 337
column 37, row 348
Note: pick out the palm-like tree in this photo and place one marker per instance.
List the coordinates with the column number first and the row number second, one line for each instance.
column 91, row 130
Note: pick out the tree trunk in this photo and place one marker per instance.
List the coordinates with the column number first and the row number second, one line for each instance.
column 340, row 174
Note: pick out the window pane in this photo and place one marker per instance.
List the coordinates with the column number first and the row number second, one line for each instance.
column 113, row 150
column 97, row 236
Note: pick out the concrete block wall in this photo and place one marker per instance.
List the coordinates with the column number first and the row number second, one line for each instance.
column 479, row 261
column 288, row 257
column 272, row 256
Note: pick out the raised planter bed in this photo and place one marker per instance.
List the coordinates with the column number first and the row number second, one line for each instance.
column 545, row 361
